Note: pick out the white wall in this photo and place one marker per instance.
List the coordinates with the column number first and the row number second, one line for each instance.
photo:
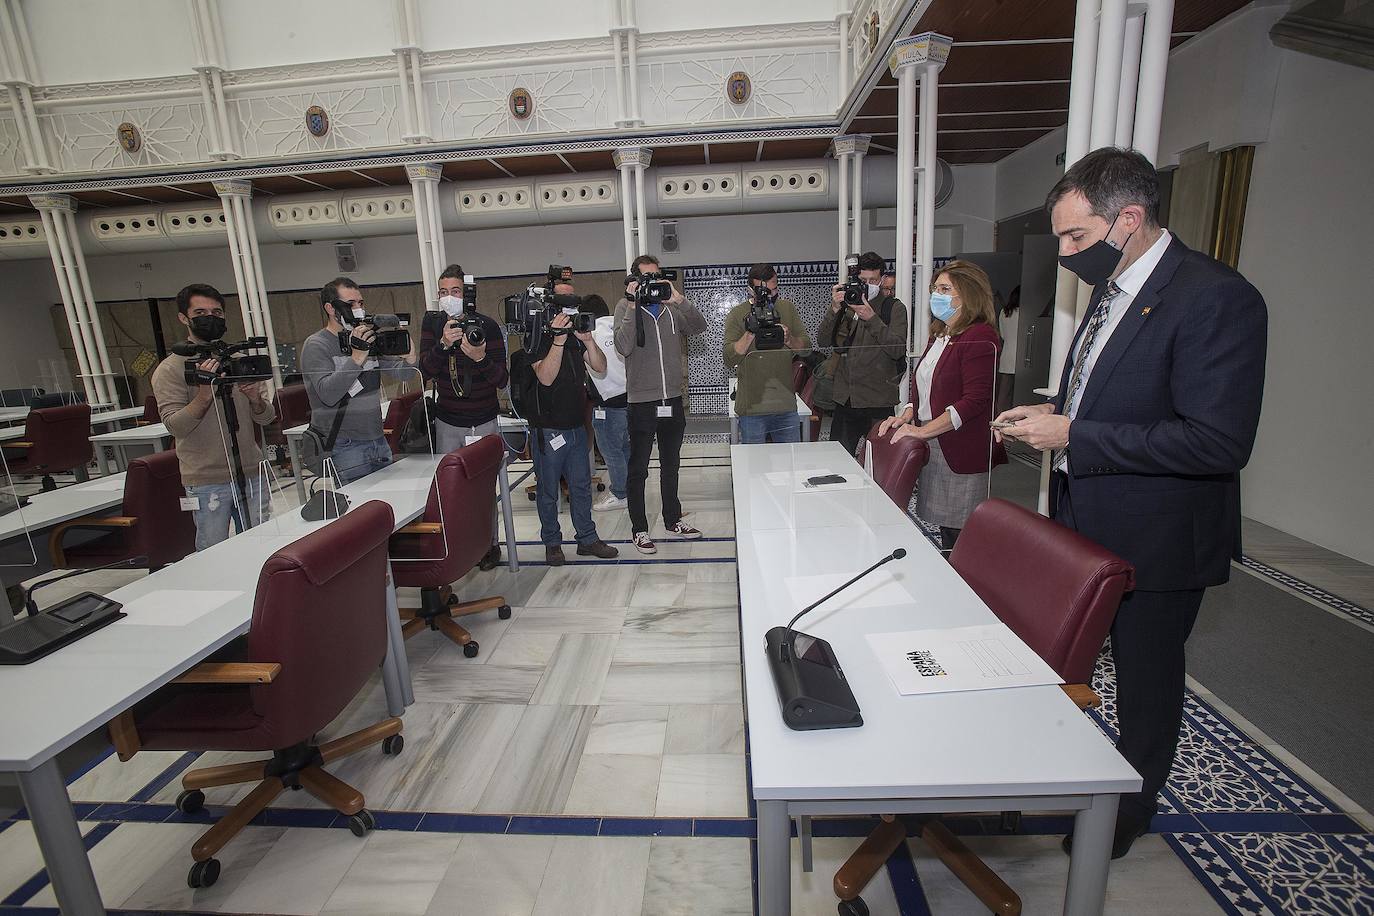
column 29, row 341
column 265, row 33
column 1306, row 247
column 1026, row 176
column 80, row 41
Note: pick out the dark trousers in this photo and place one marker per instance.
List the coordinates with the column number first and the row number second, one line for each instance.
column 645, row 426
column 850, row 425
column 1148, row 637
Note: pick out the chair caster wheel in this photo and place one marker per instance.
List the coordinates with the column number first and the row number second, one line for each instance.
column 190, row 802
column 362, row 823
column 855, row 907
column 470, row 650
column 203, row 874
column 392, row 745
column 503, row 612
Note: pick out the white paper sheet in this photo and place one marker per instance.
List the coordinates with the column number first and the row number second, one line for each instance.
column 879, row 589
column 174, row 607
column 959, row 658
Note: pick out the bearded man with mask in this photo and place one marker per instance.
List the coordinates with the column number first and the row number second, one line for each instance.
column 1158, row 405
column 192, row 418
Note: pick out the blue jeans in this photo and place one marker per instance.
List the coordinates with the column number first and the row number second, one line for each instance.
column 354, row 458
column 570, row 462
column 217, row 510
column 780, row 427
column 613, row 438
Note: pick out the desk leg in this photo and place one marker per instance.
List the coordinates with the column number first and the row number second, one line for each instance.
column 395, row 667
column 293, row 448
column 121, row 459
column 775, row 859
column 159, row 444
column 1092, row 848
column 507, row 514
column 54, row 821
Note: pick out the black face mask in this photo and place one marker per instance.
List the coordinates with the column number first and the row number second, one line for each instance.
column 1095, row 264
column 208, row 327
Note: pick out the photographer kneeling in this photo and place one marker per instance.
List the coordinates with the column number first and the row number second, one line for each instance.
column 761, row 337
column 191, row 417
column 345, row 388
column 552, row 380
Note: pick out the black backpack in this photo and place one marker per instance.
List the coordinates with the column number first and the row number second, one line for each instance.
column 524, row 388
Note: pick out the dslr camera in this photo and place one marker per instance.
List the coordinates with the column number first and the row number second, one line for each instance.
column 762, row 320
column 391, row 338
column 235, row 364
column 854, row 288
column 654, row 287
column 474, row 332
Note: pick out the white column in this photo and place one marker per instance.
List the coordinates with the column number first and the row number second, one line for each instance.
column 429, row 228
column 236, row 197
column 1130, row 74
column 49, row 206
column 622, row 108
column 209, row 66
column 842, row 204
column 1111, row 36
column 856, row 194
column 842, row 77
column 1154, row 66
column 918, row 57
column 633, row 161
column 18, row 74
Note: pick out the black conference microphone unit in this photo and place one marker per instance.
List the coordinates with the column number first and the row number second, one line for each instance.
column 42, row 633
column 32, row 608
column 812, row 690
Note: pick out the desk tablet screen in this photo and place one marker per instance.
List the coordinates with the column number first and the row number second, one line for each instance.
column 79, row 608
column 812, row 649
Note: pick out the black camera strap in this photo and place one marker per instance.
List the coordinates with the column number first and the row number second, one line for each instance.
column 337, row 424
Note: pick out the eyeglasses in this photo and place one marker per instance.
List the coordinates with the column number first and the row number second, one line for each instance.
column 944, row 289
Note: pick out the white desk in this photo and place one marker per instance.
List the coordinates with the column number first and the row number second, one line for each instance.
column 506, row 424
column 23, row 554
column 11, row 414
column 803, row 414
column 994, row 750
column 88, row 683
column 113, row 418
column 154, row 434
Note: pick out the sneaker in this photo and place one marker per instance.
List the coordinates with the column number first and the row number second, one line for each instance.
column 597, row 549
column 681, row 529
column 643, row 543
column 554, row 555
column 609, row 502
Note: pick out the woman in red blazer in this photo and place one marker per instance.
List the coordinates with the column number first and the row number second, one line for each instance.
column 952, row 399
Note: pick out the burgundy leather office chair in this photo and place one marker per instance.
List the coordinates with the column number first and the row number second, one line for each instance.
column 897, row 467
column 150, row 522
column 56, row 439
column 801, row 374
column 150, row 412
column 293, row 405
column 318, row 634
column 1064, row 616
column 450, row 539
column 397, row 414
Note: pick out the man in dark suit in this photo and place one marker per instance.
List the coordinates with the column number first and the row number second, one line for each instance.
column 1156, row 414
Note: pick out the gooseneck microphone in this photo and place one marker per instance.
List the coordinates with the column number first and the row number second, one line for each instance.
column 812, row 690
column 32, row 607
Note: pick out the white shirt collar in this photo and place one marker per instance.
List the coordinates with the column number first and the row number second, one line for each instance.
column 1134, row 277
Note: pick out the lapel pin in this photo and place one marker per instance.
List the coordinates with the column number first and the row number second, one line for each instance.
column 1145, row 311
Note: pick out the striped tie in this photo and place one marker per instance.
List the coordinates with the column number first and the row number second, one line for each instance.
column 1076, row 378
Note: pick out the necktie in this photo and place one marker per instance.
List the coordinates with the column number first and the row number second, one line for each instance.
column 1076, row 378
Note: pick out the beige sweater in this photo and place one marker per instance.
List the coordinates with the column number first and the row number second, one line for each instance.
column 200, row 443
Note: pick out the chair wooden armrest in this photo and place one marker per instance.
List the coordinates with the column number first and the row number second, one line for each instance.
column 55, row 552
column 1082, row 695
column 230, row 673
column 17, row 444
column 124, row 735
column 387, row 432
column 422, row 528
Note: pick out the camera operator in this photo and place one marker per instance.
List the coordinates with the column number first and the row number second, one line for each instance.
column 870, row 337
column 350, row 384
column 887, row 284
column 652, row 336
column 764, row 401
column 191, row 417
column 555, row 381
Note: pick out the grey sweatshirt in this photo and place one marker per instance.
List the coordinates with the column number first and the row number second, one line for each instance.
column 329, row 375
column 654, row 371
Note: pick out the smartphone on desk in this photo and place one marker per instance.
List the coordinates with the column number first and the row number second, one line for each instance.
column 823, row 480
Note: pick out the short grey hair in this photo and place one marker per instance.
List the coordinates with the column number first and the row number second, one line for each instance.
column 1111, row 179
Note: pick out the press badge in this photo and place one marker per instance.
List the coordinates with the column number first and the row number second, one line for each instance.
column 468, row 440
column 190, row 504
column 356, row 389
column 599, row 414
column 557, row 442
column 665, row 411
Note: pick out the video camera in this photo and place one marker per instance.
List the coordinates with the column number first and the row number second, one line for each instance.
column 854, row 289
column 530, row 314
column 233, row 367
column 762, row 320
column 654, row 287
column 391, row 338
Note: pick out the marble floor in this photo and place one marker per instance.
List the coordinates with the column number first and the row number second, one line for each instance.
column 592, row 759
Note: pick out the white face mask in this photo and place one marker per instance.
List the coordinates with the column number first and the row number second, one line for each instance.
column 451, row 304
column 872, row 291
column 359, row 314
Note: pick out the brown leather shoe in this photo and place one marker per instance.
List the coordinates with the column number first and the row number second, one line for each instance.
column 554, row 556
column 597, row 549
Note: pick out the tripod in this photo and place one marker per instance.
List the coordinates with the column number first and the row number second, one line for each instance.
column 224, row 393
